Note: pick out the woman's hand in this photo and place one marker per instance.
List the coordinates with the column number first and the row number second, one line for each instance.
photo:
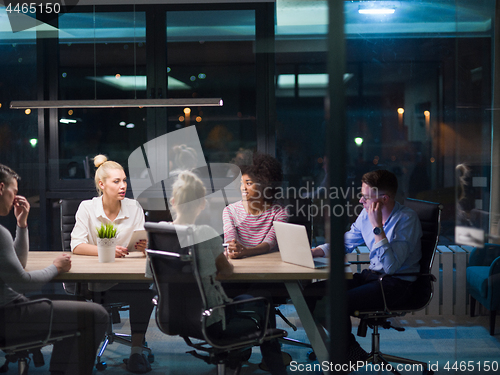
column 63, row 263
column 235, row 250
column 141, row 246
column 21, row 211
column 120, row 252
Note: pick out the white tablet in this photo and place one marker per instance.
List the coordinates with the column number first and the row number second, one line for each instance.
column 139, row 234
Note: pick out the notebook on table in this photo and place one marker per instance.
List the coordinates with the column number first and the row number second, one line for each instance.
column 294, row 245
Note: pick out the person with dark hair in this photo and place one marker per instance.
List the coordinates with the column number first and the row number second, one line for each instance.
column 248, row 224
column 392, row 232
column 71, row 356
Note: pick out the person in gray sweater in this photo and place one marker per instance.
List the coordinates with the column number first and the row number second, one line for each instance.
column 74, row 355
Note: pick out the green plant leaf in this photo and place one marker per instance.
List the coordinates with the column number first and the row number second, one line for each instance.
column 106, row 231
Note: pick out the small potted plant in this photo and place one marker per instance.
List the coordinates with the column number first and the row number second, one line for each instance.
column 106, row 243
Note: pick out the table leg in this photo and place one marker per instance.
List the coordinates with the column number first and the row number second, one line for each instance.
column 313, row 333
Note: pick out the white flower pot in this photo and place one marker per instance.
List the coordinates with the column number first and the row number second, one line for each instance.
column 106, row 249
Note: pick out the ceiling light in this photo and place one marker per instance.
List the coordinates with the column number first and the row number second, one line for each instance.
column 117, row 103
column 287, row 81
column 377, row 11
column 67, row 121
column 129, row 83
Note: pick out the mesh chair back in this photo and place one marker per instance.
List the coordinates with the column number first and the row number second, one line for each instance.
column 180, row 301
column 68, row 211
column 429, row 214
column 68, row 220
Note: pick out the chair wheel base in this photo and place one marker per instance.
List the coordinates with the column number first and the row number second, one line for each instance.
column 151, row 358
column 101, row 366
column 311, row 355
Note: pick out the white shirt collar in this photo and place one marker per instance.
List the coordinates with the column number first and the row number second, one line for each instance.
column 99, row 209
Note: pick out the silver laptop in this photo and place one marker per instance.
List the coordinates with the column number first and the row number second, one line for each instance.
column 294, row 245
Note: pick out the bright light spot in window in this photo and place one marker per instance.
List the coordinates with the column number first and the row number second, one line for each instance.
column 67, row 121
column 202, row 76
column 27, row 111
column 130, row 126
column 198, row 118
column 187, row 111
column 401, row 111
column 358, row 141
column 117, row 76
column 123, row 123
column 33, row 142
column 377, row 11
column 181, row 118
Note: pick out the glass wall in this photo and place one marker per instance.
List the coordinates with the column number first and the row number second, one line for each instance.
column 211, row 54
column 418, row 93
column 129, row 52
column 417, row 85
column 208, row 54
column 102, row 55
column 18, row 128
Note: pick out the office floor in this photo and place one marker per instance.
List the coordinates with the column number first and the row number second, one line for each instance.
column 435, row 340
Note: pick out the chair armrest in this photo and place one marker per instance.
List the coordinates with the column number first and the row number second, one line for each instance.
column 484, row 256
column 494, row 284
column 255, row 311
column 45, row 338
column 418, row 274
column 495, row 267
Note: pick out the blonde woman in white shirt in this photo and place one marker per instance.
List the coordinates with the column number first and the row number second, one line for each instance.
column 188, row 200
column 111, row 206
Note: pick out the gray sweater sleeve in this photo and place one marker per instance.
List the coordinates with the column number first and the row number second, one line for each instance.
column 21, row 245
column 13, row 277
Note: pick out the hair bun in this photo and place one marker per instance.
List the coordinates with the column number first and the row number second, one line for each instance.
column 100, row 160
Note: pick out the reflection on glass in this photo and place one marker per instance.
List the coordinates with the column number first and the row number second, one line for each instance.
column 102, row 56
column 211, row 53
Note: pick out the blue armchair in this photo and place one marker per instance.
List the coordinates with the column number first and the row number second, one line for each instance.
column 483, row 280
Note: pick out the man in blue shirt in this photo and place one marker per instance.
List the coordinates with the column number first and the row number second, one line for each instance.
column 392, row 233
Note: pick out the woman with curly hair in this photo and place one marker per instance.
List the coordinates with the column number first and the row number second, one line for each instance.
column 248, row 224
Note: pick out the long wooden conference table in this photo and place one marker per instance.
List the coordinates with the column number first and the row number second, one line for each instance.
column 264, row 268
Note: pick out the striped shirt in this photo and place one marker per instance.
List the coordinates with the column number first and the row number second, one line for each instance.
column 252, row 230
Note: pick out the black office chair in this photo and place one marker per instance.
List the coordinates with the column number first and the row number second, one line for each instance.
column 19, row 349
column 429, row 214
column 68, row 211
column 182, row 307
